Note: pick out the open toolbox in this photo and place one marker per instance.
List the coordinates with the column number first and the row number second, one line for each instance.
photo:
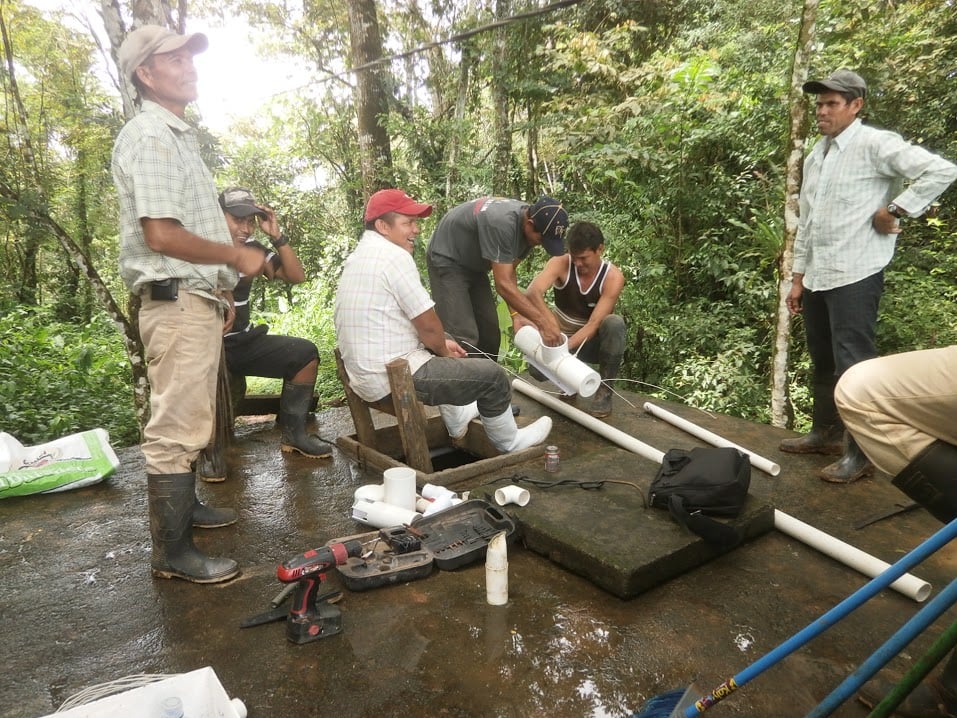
column 391, row 555
column 460, row 535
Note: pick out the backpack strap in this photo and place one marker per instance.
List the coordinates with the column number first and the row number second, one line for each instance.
column 714, row 532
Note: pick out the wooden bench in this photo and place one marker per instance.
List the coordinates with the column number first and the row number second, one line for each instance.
column 402, row 403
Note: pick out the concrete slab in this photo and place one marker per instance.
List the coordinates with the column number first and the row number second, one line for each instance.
column 609, row 535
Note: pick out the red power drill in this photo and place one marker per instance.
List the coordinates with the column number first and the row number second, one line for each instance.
column 309, row 619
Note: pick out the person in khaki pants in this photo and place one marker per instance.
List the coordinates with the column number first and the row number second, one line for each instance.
column 177, row 256
column 901, row 410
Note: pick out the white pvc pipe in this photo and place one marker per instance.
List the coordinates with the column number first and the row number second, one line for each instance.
column 758, row 462
column 910, row 586
column 566, row 370
column 590, row 422
column 496, row 570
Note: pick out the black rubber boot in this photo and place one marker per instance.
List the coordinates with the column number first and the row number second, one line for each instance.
column 207, row 517
column 820, row 440
column 171, row 501
column 929, row 480
column 608, row 367
column 293, row 407
column 853, row 465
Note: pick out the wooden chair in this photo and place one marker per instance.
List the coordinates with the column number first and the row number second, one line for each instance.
column 402, row 403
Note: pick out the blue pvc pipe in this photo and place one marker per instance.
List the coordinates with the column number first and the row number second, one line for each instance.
column 882, row 656
column 893, row 572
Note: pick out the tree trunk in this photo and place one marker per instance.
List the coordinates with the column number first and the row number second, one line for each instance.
column 780, row 404
column 371, row 97
column 502, row 158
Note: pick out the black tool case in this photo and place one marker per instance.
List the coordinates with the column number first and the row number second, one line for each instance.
column 389, row 559
column 460, row 535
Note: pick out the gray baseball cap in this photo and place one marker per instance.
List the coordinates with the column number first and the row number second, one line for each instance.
column 843, row 81
column 149, row 40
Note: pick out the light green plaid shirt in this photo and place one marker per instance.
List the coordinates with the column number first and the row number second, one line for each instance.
column 864, row 170
column 159, row 174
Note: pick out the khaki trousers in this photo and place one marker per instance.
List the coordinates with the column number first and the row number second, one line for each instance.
column 183, row 341
column 896, row 406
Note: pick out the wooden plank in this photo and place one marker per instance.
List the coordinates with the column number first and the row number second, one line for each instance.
column 409, row 415
column 361, row 416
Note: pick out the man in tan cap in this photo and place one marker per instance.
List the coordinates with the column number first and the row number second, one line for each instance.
column 852, row 204
column 177, row 255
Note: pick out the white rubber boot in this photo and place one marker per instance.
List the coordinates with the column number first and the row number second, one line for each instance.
column 507, row 437
column 457, row 418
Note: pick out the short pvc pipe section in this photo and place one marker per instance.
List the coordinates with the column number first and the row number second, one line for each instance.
column 758, row 462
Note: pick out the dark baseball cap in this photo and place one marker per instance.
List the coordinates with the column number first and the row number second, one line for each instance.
column 239, row 202
column 843, row 81
column 550, row 218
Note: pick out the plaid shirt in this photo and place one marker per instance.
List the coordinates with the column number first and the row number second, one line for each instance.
column 379, row 295
column 159, row 174
column 844, row 185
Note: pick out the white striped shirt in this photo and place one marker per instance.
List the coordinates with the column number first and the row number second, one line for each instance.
column 863, row 170
column 380, row 293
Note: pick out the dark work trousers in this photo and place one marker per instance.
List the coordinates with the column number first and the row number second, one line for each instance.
column 446, row 380
column 465, row 303
column 840, row 324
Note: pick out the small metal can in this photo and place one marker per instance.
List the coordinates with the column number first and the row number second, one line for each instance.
column 551, row 459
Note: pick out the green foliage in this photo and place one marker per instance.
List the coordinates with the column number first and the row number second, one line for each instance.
column 58, row 378
column 664, row 123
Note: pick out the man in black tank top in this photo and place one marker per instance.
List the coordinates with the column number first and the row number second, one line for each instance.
column 586, row 289
column 250, row 349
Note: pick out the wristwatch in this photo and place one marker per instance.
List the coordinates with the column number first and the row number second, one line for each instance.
column 894, row 210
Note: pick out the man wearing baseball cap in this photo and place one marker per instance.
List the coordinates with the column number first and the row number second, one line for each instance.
column 852, row 205
column 177, row 256
column 494, row 234
column 250, row 349
column 382, row 313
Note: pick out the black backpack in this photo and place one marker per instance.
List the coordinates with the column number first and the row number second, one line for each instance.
column 712, row 481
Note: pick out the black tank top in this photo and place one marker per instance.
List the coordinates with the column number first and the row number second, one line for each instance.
column 574, row 305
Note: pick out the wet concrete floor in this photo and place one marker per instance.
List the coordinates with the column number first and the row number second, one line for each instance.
column 78, row 606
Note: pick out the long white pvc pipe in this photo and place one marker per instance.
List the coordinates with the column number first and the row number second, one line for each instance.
column 757, row 461
column 619, row 437
column 907, row 584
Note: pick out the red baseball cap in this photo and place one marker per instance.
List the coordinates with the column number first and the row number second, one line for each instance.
column 394, row 200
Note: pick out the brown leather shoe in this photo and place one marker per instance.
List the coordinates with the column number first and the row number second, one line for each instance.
column 827, row 440
column 928, row 700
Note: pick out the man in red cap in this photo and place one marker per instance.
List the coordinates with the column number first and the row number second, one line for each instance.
column 382, row 312
column 177, row 256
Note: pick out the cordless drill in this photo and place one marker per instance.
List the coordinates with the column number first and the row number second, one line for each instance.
column 309, row 619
